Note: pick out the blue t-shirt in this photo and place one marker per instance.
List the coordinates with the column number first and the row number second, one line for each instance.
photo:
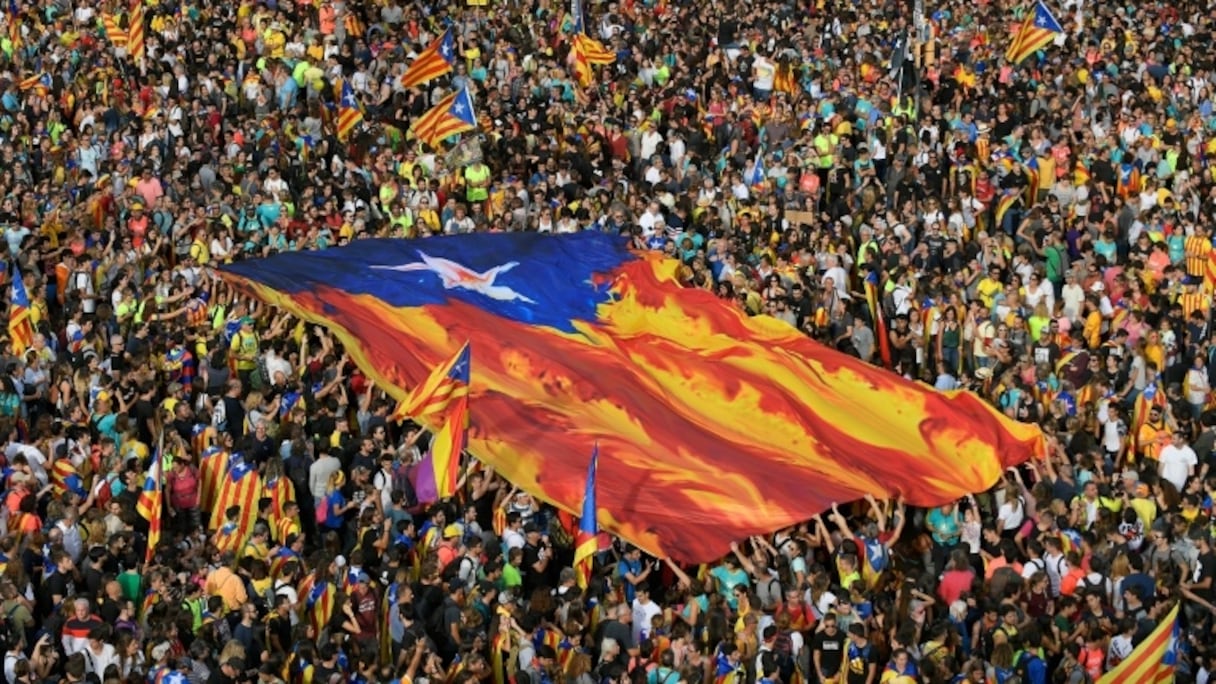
column 944, row 527
column 727, row 581
column 336, row 501
column 629, row 567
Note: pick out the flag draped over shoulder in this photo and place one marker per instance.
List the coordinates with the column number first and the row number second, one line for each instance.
column 436, row 60
column 212, row 469
column 705, row 418
column 1154, row 660
column 20, row 323
column 1038, row 29
column 586, row 542
column 450, row 116
column 241, row 486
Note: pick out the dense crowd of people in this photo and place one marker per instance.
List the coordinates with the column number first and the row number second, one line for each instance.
column 1038, row 233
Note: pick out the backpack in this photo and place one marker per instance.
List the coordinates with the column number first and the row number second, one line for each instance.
column 322, row 510
column 1022, row 667
column 783, row 656
column 452, row 570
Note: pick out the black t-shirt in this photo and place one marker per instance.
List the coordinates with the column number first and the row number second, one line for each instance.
column 1047, row 353
column 532, row 578
column 830, row 650
column 1205, row 568
column 58, row 584
column 234, row 416
column 860, row 658
column 141, row 413
column 451, row 616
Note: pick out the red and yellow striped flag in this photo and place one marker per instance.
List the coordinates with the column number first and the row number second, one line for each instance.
column 114, row 31
column 582, row 68
column 436, row 60
column 1080, row 174
column 450, row 116
column 1037, row 31
column 593, row 50
column 20, row 323
column 241, row 487
column 1154, row 660
column 212, row 467
column 151, row 500
column 135, row 32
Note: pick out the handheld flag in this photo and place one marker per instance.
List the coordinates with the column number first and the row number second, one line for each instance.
column 582, row 68
column 749, row 425
column 349, row 112
column 756, row 174
column 135, row 32
column 593, row 50
column 586, row 542
column 20, row 325
column 436, row 60
column 445, row 393
column 1155, row 659
column 1037, row 31
column 874, row 301
column 151, row 500
column 450, row 116
column 443, row 387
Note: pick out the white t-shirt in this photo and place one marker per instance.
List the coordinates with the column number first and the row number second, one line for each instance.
column 642, row 613
column 1176, row 463
column 765, row 73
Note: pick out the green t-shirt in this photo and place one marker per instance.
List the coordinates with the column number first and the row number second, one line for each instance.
column 478, row 173
column 511, row 577
column 132, row 586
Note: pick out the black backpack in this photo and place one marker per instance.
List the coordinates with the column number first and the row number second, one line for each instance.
column 451, row 571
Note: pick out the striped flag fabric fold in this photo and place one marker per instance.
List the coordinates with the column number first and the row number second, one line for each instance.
column 1154, row 660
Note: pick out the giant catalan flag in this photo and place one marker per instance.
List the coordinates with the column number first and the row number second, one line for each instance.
column 705, row 418
column 1154, row 660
